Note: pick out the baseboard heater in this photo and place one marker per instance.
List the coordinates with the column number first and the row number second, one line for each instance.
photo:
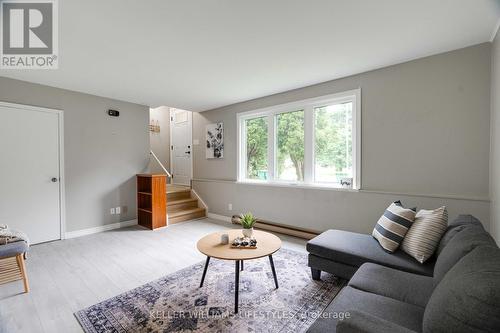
column 280, row 228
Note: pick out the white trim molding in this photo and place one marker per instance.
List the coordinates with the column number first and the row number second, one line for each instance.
column 62, row 178
column 199, row 198
column 307, row 106
column 219, row 217
column 171, row 120
column 101, row 228
column 312, row 187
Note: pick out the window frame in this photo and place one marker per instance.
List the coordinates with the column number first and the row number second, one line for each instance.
column 308, row 105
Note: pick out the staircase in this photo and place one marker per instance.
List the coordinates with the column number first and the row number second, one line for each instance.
column 183, row 204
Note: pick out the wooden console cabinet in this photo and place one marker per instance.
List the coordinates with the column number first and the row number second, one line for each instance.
column 152, row 200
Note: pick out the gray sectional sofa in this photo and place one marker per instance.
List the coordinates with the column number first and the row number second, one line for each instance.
column 456, row 291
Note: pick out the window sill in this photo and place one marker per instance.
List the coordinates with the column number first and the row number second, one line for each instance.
column 330, row 187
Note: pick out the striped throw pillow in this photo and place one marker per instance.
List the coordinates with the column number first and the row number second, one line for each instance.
column 391, row 228
column 423, row 238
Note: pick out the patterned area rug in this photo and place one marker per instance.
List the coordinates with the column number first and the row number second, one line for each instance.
column 175, row 303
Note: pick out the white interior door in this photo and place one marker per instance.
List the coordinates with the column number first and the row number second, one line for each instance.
column 180, row 141
column 29, row 171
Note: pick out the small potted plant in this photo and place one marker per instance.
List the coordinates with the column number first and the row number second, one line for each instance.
column 247, row 222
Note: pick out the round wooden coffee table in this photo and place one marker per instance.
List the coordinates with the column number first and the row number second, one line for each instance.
column 210, row 246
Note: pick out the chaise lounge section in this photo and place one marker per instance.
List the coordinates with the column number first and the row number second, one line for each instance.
column 342, row 252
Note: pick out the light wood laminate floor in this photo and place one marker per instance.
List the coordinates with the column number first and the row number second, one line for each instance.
column 68, row 275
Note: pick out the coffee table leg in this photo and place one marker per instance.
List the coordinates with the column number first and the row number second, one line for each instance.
column 204, row 271
column 274, row 271
column 236, row 285
column 242, row 265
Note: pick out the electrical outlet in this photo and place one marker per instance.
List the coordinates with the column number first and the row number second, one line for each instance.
column 230, row 207
column 118, row 210
column 112, row 211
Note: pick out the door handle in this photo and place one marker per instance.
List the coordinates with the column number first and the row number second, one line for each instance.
column 187, row 152
column 54, row 179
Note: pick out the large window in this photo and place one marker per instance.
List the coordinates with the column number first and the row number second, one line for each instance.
column 333, row 142
column 310, row 142
column 290, row 145
column 256, row 148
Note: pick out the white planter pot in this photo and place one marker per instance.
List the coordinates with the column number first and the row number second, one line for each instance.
column 247, row 232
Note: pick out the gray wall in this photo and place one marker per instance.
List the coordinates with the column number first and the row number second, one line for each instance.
column 495, row 139
column 425, row 139
column 102, row 153
column 160, row 142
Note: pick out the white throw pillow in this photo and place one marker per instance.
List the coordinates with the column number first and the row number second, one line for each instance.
column 422, row 239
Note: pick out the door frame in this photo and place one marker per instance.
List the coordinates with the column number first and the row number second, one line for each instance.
column 62, row 192
column 172, row 163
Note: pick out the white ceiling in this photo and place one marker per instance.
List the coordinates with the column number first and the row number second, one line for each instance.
column 198, row 55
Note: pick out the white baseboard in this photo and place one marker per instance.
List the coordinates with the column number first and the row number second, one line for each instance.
column 95, row 230
column 219, row 217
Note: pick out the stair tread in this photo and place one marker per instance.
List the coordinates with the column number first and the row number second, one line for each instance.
column 180, row 201
column 177, row 189
column 185, row 212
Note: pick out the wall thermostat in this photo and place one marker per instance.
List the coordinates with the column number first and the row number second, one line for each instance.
column 113, row 113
